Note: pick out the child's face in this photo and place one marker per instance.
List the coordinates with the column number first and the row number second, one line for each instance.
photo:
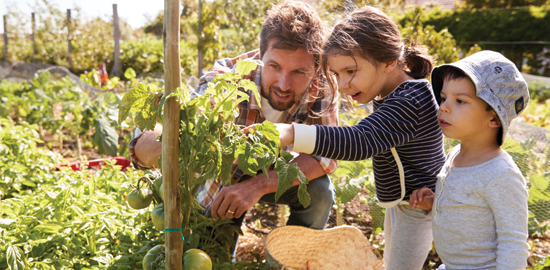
column 462, row 115
column 358, row 78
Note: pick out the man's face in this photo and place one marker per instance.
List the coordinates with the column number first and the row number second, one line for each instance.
column 286, row 76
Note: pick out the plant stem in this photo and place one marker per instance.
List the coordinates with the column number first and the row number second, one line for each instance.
column 220, row 104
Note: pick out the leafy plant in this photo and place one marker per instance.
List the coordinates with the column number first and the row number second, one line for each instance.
column 23, row 164
column 75, row 220
column 57, row 106
column 511, row 31
column 538, row 113
column 210, row 142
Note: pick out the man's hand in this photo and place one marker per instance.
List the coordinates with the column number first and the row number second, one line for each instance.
column 286, row 133
column 235, row 200
column 422, row 198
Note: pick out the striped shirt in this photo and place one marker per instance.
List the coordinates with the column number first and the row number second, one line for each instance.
column 405, row 119
column 307, row 111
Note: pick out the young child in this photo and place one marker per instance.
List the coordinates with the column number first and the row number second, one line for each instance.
column 480, row 203
column 366, row 59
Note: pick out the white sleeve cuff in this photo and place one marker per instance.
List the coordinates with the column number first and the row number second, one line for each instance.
column 304, row 138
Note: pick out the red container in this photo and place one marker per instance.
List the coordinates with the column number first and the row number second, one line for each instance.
column 96, row 164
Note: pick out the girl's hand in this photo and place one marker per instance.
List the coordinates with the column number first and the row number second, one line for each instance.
column 422, row 198
column 286, row 133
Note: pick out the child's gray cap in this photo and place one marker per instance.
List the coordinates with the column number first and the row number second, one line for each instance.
column 497, row 81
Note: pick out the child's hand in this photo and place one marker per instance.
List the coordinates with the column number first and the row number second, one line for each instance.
column 286, row 133
column 422, row 198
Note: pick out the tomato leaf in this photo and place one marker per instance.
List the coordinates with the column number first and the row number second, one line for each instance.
column 105, row 137
column 136, row 93
column 244, row 67
column 303, row 195
column 287, row 174
column 270, row 132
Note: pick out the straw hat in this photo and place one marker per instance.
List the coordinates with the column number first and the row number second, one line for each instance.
column 297, row 248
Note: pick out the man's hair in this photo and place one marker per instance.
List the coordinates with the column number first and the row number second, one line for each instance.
column 294, row 25
column 453, row 73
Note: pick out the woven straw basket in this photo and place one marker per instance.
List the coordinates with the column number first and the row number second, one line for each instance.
column 297, row 248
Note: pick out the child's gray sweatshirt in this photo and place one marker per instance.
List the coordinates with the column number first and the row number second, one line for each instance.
column 480, row 215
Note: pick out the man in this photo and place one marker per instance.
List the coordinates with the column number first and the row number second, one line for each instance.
column 290, row 85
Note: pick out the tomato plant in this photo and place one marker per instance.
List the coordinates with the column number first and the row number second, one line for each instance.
column 75, row 220
column 210, row 143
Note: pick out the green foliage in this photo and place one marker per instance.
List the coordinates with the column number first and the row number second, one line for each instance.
column 513, row 32
column 539, row 91
column 254, row 263
column 210, row 142
column 541, row 264
column 146, row 56
column 75, row 220
column 538, row 113
column 23, row 164
column 58, row 105
column 242, row 23
column 375, row 211
column 440, row 43
column 229, row 28
column 502, row 3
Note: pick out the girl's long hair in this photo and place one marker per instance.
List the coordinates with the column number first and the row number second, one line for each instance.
column 370, row 33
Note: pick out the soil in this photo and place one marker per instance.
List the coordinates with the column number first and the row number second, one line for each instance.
column 260, row 220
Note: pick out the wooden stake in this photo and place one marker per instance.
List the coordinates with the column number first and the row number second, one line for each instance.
column 33, row 38
column 116, row 70
column 69, row 38
column 6, row 38
column 170, row 136
column 199, row 43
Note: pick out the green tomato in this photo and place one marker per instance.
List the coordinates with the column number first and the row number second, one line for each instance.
column 161, row 191
column 152, row 257
column 157, row 184
column 158, row 217
column 196, row 259
column 140, row 198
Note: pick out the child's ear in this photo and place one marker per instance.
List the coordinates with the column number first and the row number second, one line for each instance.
column 390, row 66
column 495, row 122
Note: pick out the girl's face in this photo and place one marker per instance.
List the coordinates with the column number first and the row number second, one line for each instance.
column 358, row 78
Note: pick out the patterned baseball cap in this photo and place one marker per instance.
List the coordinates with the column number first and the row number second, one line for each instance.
column 497, row 80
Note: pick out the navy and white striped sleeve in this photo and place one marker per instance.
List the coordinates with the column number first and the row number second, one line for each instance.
column 394, row 123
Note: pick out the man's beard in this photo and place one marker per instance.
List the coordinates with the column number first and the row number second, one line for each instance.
column 277, row 105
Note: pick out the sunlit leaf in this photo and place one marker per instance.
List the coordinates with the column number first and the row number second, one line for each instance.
column 14, row 257
column 244, row 67
column 105, row 137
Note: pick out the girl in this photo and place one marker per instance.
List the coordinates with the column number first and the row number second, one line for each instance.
column 366, row 59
